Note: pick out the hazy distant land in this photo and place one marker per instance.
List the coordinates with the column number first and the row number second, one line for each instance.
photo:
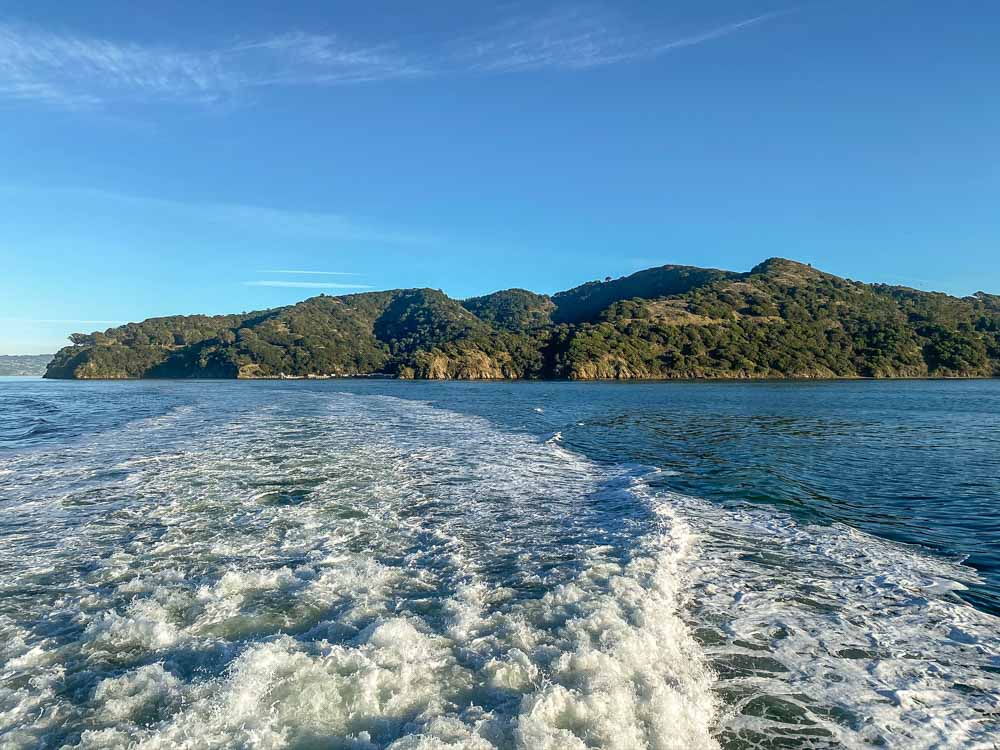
column 24, row 364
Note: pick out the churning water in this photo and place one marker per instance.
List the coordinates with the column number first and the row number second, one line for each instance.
column 358, row 564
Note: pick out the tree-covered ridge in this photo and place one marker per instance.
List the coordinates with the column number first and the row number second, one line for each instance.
column 513, row 309
column 786, row 319
column 780, row 319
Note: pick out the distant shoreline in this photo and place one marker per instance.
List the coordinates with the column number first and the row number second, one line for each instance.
column 24, row 365
column 845, row 379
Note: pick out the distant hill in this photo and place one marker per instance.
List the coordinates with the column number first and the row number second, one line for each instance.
column 24, row 364
column 780, row 319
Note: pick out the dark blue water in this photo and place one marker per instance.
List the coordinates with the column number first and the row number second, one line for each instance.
column 385, row 564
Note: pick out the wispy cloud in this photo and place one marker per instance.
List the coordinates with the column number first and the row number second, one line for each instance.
column 313, row 273
column 713, row 34
column 60, row 321
column 313, row 224
column 70, row 70
column 304, row 284
column 570, row 38
column 245, row 218
column 298, row 58
column 579, row 38
column 77, row 71
column 81, row 71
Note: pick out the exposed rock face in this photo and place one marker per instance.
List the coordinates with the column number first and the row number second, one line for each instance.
column 613, row 368
column 472, row 365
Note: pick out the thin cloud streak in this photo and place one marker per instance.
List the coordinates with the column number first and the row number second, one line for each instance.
column 578, row 39
column 305, row 284
column 257, row 219
column 80, row 72
column 718, row 33
column 314, row 273
column 60, row 321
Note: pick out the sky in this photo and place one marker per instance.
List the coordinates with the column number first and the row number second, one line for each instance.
column 220, row 156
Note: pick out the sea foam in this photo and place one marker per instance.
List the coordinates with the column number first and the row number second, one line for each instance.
column 375, row 573
column 313, row 569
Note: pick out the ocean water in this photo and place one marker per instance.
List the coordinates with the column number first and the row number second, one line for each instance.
column 430, row 566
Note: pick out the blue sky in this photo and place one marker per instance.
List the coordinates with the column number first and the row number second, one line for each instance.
column 190, row 157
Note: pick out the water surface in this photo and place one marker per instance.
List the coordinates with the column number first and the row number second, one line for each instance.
column 373, row 564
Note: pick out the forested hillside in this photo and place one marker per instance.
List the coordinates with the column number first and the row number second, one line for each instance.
column 780, row 319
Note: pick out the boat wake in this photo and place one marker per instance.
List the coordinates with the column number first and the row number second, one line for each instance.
column 376, row 573
column 340, row 571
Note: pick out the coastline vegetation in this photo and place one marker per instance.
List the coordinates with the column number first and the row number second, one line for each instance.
column 782, row 319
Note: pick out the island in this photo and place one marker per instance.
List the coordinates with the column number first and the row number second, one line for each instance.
column 781, row 319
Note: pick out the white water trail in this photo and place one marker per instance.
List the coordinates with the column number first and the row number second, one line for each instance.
column 313, row 570
column 376, row 573
column 829, row 637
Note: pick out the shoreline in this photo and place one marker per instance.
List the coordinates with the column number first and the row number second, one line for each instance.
column 721, row 379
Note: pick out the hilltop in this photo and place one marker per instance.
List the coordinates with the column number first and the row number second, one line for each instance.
column 780, row 319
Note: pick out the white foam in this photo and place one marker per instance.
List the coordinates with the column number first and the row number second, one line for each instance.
column 145, row 627
column 224, row 599
column 280, row 693
column 367, row 572
column 31, row 676
column 628, row 673
column 138, row 696
column 610, row 665
column 857, row 640
column 467, row 664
